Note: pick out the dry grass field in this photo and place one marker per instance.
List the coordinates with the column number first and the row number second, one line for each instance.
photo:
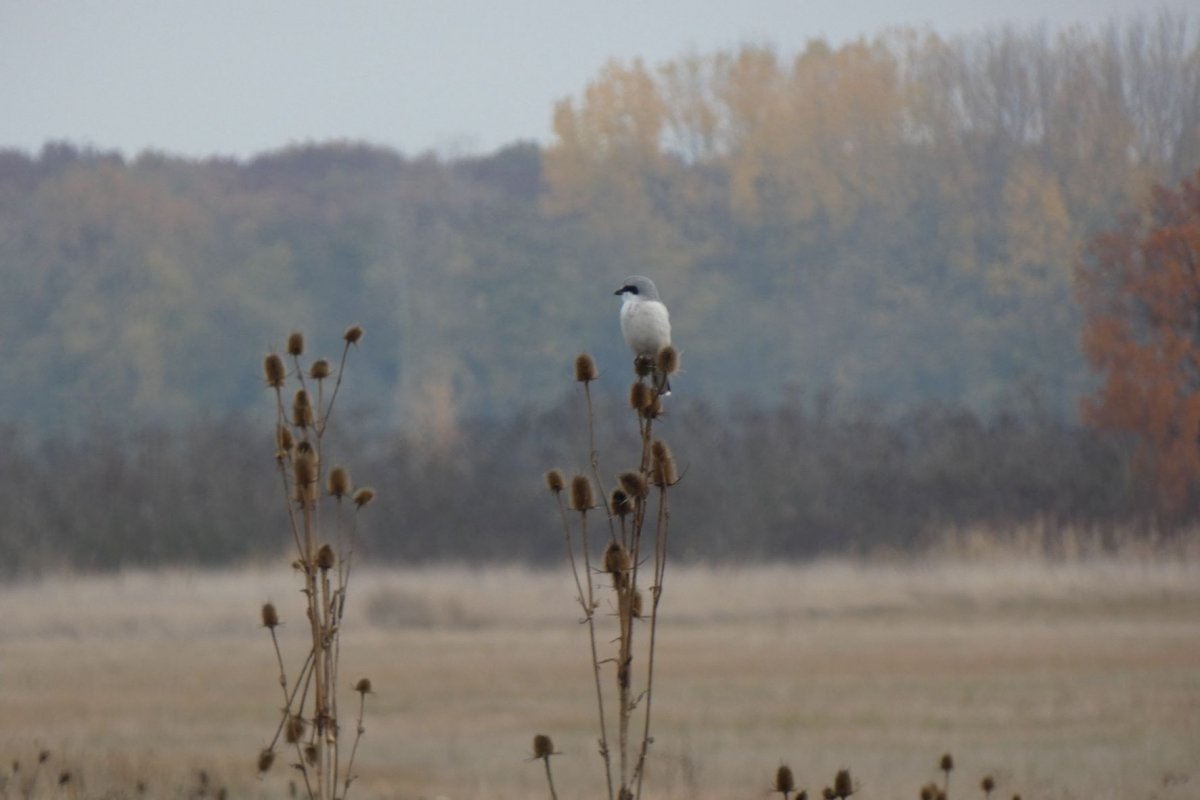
column 1071, row 680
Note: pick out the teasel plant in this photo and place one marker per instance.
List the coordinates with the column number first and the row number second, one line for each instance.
column 637, row 515
column 322, row 513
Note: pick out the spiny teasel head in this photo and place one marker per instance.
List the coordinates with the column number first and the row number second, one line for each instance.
column 585, row 368
column 319, row 370
column 283, row 439
column 843, row 786
column 785, row 782
column 827, row 793
column 302, row 412
column 364, row 496
column 273, row 370
column 616, row 560
column 947, row 763
column 667, row 362
column 270, row 617
column 643, row 366
column 636, row 604
column 987, row 784
column 582, row 499
column 929, row 791
column 620, row 503
column 633, row 484
column 293, row 731
column 310, row 754
column 353, row 334
column 653, row 410
column 640, row 396
column 295, row 344
column 554, row 481
column 265, row 759
column 363, row 686
column 325, row 558
column 304, row 467
column 339, row 482
column 662, row 464
column 543, row 746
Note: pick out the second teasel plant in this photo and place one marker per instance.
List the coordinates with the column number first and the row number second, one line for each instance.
column 619, row 571
column 322, row 514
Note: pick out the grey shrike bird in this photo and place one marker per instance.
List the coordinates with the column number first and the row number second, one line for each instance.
column 645, row 323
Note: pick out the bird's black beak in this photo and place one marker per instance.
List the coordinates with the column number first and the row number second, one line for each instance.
column 626, row 288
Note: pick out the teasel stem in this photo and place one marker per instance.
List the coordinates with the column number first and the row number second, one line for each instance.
column 362, row 703
column 289, row 699
column 283, row 471
column 594, row 454
column 323, row 420
column 660, row 569
column 550, row 778
column 591, row 623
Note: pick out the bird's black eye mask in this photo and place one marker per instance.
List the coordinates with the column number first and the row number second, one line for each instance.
column 626, row 288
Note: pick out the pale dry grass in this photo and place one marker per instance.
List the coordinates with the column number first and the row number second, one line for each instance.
column 1080, row 679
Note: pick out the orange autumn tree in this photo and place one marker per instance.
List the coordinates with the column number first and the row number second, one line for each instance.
column 1140, row 289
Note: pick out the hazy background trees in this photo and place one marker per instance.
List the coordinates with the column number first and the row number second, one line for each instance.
column 868, row 252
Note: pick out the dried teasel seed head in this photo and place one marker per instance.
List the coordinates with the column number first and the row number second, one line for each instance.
column 667, row 362
column 662, row 464
column 310, row 754
column 616, row 559
column 325, row 558
column 305, row 467
column 554, row 481
column 585, row 368
column 294, row 729
column 620, row 503
column 270, row 617
column 320, row 369
column 802, row 794
column 654, row 409
column 353, row 334
column 947, row 762
column 265, row 759
column 929, row 791
column 543, row 746
column 637, row 604
column 295, row 344
column 302, row 412
column 987, row 784
column 363, row 686
column 843, row 786
column 827, row 793
column 632, row 483
column 640, row 396
column 581, row 494
column 283, row 439
column 643, row 366
column 273, row 370
column 784, row 780
column 339, row 482
column 364, row 496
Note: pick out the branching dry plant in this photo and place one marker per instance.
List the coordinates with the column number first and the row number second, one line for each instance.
column 309, row 723
column 638, row 519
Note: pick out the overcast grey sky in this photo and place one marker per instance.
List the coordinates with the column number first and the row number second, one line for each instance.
column 236, row 77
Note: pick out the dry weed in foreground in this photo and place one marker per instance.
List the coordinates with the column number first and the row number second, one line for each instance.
column 309, row 723
column 640, row 496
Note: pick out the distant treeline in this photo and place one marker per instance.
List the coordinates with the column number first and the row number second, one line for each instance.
column 896, row 218
column 803, row 477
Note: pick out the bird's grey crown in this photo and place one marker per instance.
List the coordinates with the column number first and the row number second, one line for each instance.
column 640, row 285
